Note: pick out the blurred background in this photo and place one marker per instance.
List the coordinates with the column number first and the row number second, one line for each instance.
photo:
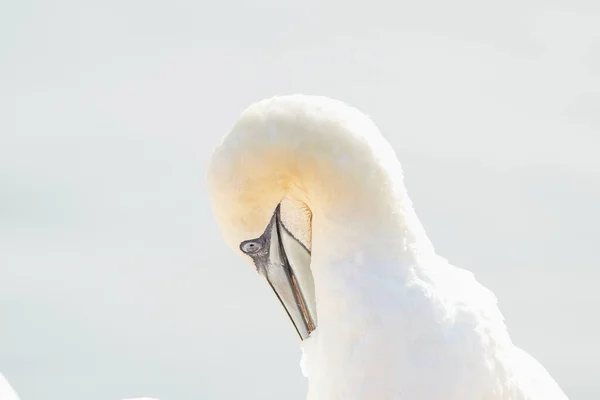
column 114, row 280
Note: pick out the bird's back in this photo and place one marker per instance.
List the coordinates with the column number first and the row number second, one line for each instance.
column 437, row 336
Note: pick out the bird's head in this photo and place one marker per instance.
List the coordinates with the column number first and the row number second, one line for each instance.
column 288, row 164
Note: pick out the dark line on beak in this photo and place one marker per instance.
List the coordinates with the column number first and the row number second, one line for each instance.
column 285, row 308
column 298, row 296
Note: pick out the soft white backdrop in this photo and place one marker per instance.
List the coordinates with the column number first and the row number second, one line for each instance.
column 114, row 281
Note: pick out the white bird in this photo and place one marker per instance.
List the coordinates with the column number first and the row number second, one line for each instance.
column 8, row 393
column 142, row 398
column 311, row 194
column 6, row 390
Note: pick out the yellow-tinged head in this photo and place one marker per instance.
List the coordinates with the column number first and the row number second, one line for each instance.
column 293, row 163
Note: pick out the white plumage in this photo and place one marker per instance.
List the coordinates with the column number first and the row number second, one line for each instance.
column 8, row 393
column 6, row 390
column 395, row 320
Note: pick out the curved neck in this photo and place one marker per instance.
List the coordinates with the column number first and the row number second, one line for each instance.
column 363, row 295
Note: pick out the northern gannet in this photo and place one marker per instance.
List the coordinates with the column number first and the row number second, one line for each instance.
column 308, row 191
column 6, row 390
column 8, row 393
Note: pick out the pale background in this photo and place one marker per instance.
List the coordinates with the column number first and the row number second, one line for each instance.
column 114, row 280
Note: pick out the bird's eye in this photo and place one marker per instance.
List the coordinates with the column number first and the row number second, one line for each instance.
column 251, row 246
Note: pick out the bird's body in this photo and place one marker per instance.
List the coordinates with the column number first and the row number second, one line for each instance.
column 395, row 320
column 422, row 331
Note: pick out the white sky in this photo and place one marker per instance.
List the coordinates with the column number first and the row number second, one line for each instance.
column 114, row 281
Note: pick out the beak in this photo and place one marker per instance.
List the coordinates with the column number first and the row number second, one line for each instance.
column 285, row 263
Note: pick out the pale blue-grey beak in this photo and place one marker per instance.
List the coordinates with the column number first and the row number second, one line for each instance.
column 285, row 263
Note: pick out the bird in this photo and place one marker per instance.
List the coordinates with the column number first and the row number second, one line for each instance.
column 307, row 190
column 6, row 390
column 8, row 393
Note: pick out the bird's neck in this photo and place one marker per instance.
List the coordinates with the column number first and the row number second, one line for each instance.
column 380, row 236
column 353, row 265
column 362, row 286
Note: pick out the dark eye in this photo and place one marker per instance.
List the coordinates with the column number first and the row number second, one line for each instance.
column 251, row 246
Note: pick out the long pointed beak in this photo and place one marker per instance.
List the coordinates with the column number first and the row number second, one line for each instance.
column 285, row 263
